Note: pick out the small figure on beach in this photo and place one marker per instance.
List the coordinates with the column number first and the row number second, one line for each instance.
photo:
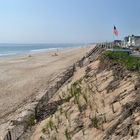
column 29, row 55
column 56, row 53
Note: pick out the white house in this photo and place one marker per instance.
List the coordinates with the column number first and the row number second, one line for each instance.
column 132, row 42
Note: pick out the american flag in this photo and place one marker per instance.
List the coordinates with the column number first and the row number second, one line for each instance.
column 115, row 31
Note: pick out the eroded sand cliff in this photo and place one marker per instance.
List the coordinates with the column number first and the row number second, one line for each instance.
column 101, row 102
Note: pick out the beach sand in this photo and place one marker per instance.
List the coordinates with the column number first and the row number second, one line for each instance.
column 22, row 78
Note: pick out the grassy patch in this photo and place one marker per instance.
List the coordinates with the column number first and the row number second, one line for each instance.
column 94, row 122
column 49, row 126
column 116, row 47
column 75, row 89
column 130, row 62
column 31, row 121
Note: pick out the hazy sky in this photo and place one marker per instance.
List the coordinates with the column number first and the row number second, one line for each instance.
column 70, row 21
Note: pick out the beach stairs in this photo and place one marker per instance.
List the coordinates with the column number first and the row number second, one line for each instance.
column 92, row 55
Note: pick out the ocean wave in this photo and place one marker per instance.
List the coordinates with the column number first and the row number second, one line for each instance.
column 44, row 50
column 8, row 54
column 22, row 49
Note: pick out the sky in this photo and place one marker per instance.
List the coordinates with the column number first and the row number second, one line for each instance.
column 67, row 21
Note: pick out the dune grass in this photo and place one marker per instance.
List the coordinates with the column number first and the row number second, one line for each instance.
column 116, row 47
column 130, row 62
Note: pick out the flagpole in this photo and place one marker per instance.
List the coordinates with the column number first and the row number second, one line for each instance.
column 113, row 38
column 113, row 41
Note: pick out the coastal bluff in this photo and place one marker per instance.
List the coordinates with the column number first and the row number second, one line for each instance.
column 101, row 102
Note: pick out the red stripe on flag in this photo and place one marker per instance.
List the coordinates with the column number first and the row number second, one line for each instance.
column 115, row 31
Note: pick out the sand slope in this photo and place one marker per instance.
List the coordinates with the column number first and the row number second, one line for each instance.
column 100, row 103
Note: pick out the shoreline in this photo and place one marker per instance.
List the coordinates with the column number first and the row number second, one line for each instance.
column 14, row 54
column 36, row 53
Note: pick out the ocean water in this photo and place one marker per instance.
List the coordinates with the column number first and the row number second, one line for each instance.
column 7, row 50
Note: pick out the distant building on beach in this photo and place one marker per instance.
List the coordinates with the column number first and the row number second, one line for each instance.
column 132, row 42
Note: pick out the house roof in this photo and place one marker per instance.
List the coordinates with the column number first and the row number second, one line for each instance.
column 136, row 36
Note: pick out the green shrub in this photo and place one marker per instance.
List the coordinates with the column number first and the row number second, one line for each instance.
column 116, row 47
column 130, row 62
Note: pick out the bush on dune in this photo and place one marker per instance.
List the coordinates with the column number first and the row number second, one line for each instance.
column 130, row 62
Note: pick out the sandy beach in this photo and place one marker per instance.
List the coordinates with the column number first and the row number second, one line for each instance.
column 22, row 78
